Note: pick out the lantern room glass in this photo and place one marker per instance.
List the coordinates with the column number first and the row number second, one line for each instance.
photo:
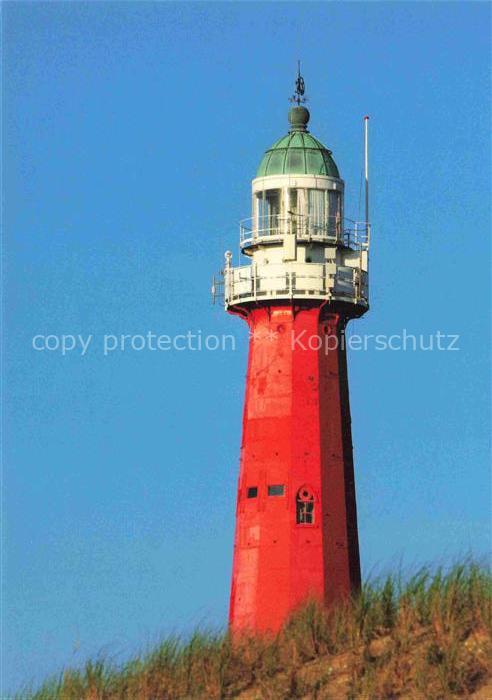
column 324, row 212
column 317, row 211
column 268, row 211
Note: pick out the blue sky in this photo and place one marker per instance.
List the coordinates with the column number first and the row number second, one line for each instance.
column 131, row 133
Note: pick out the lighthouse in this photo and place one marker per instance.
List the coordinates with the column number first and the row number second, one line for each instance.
column 305, row 278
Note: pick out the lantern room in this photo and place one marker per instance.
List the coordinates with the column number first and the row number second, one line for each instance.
column 298, row 240
column 297, row 185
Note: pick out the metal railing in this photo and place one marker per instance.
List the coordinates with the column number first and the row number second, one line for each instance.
column 352, row 234
column 217, row 288
column 318, row 280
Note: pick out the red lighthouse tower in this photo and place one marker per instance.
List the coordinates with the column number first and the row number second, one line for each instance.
column 296, row 529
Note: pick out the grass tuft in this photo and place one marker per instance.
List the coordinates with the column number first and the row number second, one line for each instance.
column 428, row 636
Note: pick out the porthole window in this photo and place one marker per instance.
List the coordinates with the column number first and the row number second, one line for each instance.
column 276, row 490
column 305, row 506
column 252, row 492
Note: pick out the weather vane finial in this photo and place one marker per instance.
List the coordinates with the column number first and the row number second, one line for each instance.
column 298, row 96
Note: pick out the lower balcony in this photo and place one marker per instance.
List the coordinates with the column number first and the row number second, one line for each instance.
column 254, row 282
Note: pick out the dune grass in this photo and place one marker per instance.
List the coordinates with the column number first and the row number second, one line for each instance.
column 423, row 637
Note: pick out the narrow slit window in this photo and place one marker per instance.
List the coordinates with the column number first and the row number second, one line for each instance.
column 305, row 506
column 252, row 492
column 276, row 490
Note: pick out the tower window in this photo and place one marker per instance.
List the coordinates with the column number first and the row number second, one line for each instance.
column 276, row 490
column 252, row 492
column 305, row 506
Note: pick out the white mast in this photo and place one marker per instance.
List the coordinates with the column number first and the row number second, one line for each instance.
column 366, row 167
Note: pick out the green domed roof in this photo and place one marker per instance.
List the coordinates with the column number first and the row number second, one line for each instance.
column 298, row 152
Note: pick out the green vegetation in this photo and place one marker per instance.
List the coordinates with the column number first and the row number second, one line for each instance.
column 427, row 637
